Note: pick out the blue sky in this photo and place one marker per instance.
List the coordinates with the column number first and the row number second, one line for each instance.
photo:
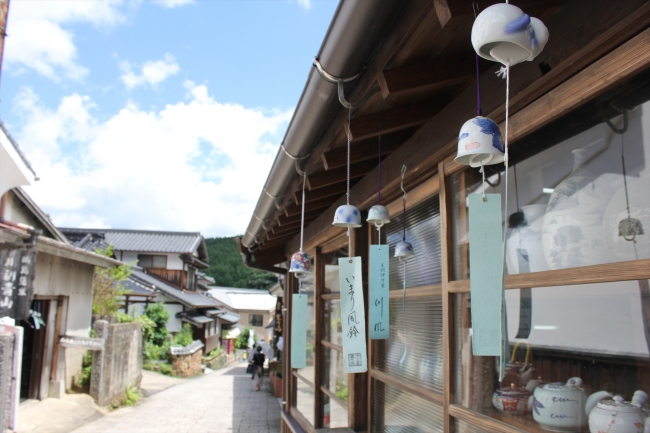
column 156, row 114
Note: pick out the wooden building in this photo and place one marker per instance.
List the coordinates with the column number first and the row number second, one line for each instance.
column 581, row 300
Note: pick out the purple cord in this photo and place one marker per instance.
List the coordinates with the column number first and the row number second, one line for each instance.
column 379, row 172
column 478, row 90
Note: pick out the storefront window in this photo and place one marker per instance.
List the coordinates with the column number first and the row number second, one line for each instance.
column 395, row 411
column 582, row 202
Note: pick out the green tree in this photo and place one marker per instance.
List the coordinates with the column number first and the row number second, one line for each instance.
column 107, row 286
column 159, row 315
column 185, row 337
column 227, row 267
column 241, row 342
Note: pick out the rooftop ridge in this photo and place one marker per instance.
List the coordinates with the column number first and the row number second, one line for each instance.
column 153, row 232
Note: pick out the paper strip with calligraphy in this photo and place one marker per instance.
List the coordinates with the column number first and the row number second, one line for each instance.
column 486, row 273
column 378, row 292
column 353, row 316
column 299, row 331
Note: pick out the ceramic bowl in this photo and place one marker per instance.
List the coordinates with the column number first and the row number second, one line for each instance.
column 503, row 32
column 347, row 216
column 479, row 141
column 378, row 215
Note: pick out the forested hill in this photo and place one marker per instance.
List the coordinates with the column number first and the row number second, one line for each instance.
column 228, row 270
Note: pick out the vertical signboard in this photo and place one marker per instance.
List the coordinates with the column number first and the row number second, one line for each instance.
column 353, row 318
column 16, row 282
column 486, row 273
column 299, row 331
column 378, row 292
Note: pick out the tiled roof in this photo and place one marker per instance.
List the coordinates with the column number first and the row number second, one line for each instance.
column 136, row 288
column 88, row 242
column 144, row 240
column 195, row 318
column 189, row 299
column 244, row 299
column 15, row 145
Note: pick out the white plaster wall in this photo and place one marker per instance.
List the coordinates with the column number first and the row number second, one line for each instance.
column 173, row 260
column 260, row 331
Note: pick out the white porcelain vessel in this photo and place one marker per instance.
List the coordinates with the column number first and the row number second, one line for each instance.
column 378, row 215
column 347, row 216
column 300, row 264
column 561, row 407
column 503, row 32
column 573, row 224
column 619, row 416
column 404, row 250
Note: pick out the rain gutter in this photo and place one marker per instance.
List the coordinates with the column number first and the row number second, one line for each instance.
column 348, row 45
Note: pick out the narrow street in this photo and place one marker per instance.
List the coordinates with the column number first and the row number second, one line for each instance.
column 223, row 401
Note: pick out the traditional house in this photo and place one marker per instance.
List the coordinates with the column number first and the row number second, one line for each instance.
column 254, row 307
column 166, row 270
column 47, row 282
column 576, row 226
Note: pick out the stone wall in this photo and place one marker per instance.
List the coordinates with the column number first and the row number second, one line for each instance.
column 186, row 361
column 119, row 364
column 6, row 373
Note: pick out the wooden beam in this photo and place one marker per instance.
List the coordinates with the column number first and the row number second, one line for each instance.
column 452, row 13
column 438, row 138
column 366, row 149
column 481, row 421
column 275, row 242
column 396, row 118
column 446, row 248
column 426, row 76
column 309, row 207
column 336, row 175
column 293, row 226
column 319, row 330
column 284, row 220
column 337, row 189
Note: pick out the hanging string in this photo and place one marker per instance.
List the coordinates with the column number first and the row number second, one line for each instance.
column 505, row 160
column 401, row 185
column 401, row 361
column 627, row 198
column 347, row 194
column 379, row 170
column 482, row 171
column 302, row 221
column 479, row 112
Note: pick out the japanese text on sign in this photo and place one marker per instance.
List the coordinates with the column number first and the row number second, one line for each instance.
column 378, row 292
column 353, row 315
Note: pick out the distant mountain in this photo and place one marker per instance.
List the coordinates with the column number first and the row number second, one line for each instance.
column 228, row 270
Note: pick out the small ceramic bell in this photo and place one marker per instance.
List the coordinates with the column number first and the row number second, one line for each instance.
column 300, row 265
column 404, row 250
column 347, row 216
column 504, row 33
column 630, row 228
column 479, row 141
column 378, row 215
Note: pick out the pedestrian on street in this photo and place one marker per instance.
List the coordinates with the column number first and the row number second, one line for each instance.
column 258, row 368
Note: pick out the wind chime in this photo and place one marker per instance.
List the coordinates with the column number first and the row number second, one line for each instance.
column 505, row 34
column 403, row 252
column 300, row 267
column 378, row 215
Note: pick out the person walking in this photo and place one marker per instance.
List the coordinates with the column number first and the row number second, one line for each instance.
column 258, row 368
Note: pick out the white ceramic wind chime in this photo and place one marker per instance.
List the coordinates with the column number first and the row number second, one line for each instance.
column 403, row 252
column 379, row 265
column 502, row 33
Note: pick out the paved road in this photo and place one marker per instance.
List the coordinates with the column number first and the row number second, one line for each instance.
column 224, row 401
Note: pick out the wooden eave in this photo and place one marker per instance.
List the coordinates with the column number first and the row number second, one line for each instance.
column 423, row 68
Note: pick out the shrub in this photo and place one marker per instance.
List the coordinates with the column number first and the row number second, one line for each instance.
column 185, row 337
column 154, row 352
column 241, row 342
column 159, row 315
column 86, row 369
column 167, row 369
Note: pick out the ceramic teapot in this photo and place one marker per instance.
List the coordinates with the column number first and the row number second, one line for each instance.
column 561, row 407
column 511, row 399
column 617, row 415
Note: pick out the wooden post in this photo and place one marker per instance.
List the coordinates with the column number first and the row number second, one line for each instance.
column 447, row 314
column 319, row 314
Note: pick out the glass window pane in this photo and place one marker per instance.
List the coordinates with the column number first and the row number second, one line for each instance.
column 160, row 262
column 599, row 333
column 581, row 202
column 335, row 379
column 335, row 415
column 395, row 411
column 333, row 329
column 419, row 362
column 423, row 232
column 145, row 261
column 305, row 400
column 332, row 284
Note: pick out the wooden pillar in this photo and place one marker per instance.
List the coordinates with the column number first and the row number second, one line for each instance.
column 358, row 382
column 447, row 301
column 287, row 376
column 319, row 351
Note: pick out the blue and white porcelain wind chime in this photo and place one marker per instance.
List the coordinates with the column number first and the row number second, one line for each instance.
column 501, row 33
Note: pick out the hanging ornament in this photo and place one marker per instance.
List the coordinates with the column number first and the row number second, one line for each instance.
column 378, row 214
column 347, row 215
column 379, row 265
column 300, row 263
column 403, row 252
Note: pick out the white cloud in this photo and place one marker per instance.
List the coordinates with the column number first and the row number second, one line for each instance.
column 194, row 165
column 38, row 41
column 151, row 73
column 169, row 4
column 305, row 4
